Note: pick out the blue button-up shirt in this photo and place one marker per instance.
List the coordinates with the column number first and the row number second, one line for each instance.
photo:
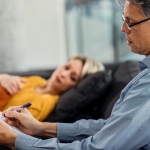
column 128, row 127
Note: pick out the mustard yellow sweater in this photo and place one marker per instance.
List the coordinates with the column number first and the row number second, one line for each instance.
column 42, row 104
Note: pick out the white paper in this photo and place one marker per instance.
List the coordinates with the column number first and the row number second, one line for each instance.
column 14, row 129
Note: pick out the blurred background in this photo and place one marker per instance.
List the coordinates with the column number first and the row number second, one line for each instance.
column 42, row 34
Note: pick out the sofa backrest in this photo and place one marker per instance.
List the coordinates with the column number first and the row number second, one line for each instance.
column 43, row 73
column 122, row 74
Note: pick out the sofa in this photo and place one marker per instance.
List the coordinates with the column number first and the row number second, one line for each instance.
column 92, row 98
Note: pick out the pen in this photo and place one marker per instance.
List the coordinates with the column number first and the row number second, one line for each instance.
column 22, row 107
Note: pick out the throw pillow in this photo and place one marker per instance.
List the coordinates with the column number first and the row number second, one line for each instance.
column 121, row 76
column 73, row 102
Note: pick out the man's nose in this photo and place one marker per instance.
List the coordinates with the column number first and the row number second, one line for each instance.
column 124, row 28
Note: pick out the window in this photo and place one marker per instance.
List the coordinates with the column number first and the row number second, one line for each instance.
column 93, row 29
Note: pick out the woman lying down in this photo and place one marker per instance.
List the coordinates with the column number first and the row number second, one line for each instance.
column 42, row 93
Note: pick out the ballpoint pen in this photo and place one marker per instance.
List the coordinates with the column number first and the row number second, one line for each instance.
column 20, row 108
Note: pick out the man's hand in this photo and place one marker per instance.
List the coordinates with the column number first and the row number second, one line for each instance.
column 7, row 136
column 12, row 84
column 22, row 120
column 28, row 124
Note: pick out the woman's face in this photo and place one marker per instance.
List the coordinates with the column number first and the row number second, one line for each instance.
column 66, row 75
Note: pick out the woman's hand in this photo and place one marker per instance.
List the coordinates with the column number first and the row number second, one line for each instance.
column 12, row 84
column 7, row 136
column 22, row 120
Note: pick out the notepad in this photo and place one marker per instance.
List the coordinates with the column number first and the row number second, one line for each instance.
column 14, row 129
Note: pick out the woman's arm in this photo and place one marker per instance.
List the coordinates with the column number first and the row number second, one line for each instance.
column 10, row 83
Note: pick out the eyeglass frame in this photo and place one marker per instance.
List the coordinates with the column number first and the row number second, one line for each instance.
column 129, row 26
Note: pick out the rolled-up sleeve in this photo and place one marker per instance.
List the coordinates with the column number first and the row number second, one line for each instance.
column 79, row 130
column 66, row 132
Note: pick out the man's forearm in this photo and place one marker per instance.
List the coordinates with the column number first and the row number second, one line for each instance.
column 47, row 130
column 9, row 140
column 11, row 143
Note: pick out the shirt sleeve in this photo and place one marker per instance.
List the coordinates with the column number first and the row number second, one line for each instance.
column 127, row 128
column 78, row 130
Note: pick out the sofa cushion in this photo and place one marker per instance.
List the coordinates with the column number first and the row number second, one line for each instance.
column 121, row 75
column 80, row 97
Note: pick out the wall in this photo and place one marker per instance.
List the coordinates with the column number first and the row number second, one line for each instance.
column 12, row 35
column 45, row 33
column 32, row 34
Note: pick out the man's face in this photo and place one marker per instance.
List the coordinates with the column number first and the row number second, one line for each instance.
column 138, row 38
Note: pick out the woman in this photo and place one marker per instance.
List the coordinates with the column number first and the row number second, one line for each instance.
column 44, row 94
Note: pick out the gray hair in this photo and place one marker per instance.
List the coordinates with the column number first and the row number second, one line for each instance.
column 144, row 4
column 89, row 66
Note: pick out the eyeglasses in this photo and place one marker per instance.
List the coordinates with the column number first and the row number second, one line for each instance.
column 131, row 25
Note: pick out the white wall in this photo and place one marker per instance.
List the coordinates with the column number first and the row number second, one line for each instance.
column 12, row 36
column 45, row 33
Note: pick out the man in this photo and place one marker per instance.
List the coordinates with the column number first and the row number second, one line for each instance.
column 128, row 126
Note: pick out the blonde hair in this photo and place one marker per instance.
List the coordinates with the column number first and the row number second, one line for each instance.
column 89, row 66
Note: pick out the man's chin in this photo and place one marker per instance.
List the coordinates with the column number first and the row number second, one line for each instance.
column 136, row 51
column 133, row 50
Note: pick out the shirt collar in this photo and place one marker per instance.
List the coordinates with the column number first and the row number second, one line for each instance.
column 145, row 63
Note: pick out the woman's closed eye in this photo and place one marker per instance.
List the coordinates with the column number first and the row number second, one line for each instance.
column 73, row 75
column 73, row 78
column 67, row 67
